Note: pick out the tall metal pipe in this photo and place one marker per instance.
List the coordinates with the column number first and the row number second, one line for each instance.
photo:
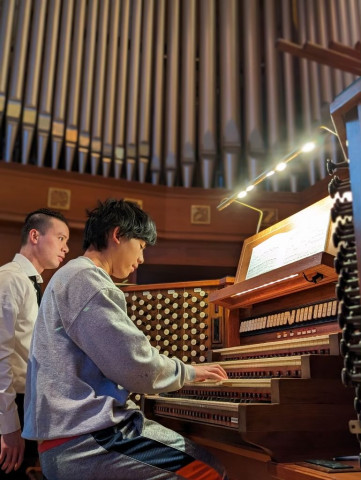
column 110, row 82
column 272, row 80
column 87, row 86
column 188, row 93
column 99, row 85
column 145, row 89
column 158, row 94
column 255, row 147
column 334, row 35
column 306, row 85
column 30, row 103
column 171, row 88
column 230, row 103
column 61, row 82
column 345, row 33
column 354, row 21
column 289, row 86
column 325, row 71
column 6, row 26
column 16, row 82
column 121, row 90
column 207, row 111
column 72, row 120
column 133, row 91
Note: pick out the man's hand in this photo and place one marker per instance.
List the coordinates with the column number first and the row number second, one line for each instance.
column 209, row 372
column 12, row 451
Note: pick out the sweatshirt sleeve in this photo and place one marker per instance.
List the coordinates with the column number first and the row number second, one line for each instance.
column 121, row 351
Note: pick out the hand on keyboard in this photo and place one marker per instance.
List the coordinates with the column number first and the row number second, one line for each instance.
column 209, row 372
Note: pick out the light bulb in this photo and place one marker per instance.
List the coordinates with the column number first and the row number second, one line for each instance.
column 308, row 147
column 281, row 166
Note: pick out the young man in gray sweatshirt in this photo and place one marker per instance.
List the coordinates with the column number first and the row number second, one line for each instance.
column 87, row 356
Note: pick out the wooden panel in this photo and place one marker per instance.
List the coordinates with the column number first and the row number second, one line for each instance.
column 298, row 391
column 259, row 419
column 322, row 366
column 25, row 187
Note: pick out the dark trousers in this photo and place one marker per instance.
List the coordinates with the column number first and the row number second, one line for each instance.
column 31, row 449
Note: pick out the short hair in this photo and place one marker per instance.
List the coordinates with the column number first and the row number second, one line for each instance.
column 132, row 221
column 40, row 220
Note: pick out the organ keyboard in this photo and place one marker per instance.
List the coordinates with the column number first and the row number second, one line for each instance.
column 271, row 403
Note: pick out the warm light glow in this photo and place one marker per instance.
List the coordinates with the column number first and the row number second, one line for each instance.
column 308, row 147
column 242, row 194
column 265, row 285
column 281, row 166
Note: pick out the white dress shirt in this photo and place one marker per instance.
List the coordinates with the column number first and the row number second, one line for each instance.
column 18, row 312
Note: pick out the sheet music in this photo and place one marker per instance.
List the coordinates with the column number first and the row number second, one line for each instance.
column 287, row 247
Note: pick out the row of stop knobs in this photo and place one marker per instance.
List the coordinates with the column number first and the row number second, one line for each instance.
column 348, row 287
column 174, row 322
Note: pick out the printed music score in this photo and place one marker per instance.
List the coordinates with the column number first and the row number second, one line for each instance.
column 307, row 237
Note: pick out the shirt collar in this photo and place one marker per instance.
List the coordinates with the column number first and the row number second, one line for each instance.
column 27, row 266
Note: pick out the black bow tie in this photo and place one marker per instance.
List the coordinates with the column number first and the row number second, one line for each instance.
column 37, row 288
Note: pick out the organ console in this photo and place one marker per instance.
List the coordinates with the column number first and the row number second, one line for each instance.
column 274, row 329
column 288, row 333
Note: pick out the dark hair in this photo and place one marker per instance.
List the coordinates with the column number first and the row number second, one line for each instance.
column 40, row 220
column 132, row 221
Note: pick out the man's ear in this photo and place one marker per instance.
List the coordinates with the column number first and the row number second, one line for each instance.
column 34, row 235
column 115, row 235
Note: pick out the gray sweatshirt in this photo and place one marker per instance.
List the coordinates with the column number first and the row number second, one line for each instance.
column 86, row 356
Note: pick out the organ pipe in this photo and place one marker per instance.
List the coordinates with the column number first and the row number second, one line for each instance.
column 6, row 24
column 87, row 86
column 32, row 80
column 47, row 80
column 61, row 81
column 230, row 136
column 207, row 91
column 145, row 90
column 252, row 75
column 158, row 98
column 175, row 92
column 111, row 66
column 98, row 94
column 121, row 88
column 73, row 98
column 171, row 87
column 16, row 83
column 133, row 90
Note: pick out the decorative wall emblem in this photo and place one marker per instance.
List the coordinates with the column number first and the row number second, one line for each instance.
column 200, row 214
column 59, row 198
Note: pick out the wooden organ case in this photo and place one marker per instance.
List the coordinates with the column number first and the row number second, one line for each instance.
column 275, row 331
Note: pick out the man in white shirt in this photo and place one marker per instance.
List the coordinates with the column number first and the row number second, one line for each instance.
column 44, row 238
